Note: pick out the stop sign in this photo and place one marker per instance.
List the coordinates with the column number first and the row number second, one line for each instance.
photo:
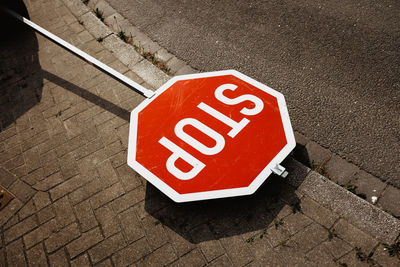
column 209, row 135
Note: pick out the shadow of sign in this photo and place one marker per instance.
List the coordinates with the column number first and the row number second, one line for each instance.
column 226, row 217
column 21, row 78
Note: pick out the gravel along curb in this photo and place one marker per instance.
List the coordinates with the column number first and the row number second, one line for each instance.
column 356, row 210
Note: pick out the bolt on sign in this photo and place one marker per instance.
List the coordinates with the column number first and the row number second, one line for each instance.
column 210, row 135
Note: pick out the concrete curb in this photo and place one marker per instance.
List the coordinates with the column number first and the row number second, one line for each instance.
column 357, row 211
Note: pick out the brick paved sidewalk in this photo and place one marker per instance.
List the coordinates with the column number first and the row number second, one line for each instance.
column 63, row 142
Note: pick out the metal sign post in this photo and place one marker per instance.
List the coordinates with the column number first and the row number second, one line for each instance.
column 76, row 51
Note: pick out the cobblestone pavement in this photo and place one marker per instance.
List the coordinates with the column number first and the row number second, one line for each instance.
column 63, row 143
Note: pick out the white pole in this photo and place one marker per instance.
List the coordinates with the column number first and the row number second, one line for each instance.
column 103, row 67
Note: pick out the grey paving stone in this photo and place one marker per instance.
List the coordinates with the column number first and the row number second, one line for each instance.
column 368, row 185
column 105, row 8
column 15, row 253
column 132, row 253
column 160, row 257
column 321, row 257
column 5, row 156
column 308, row 238
column 155, row 233
column 85, row 216
column 292, row 256
column 339, row 170
column 107, row 247
column 14, row 163
column 32, row 160
column 351, row 259
column 185, row 70
column 317, row 212
column 237, row 250
column 129, row 199
column 49, row 182
column 92, row 4
column 61, row 238
column 382, row 257
column 40, row 233
column 180, row 244
column 22, row 190
column 76, row 7
column 356, row 210
column 174, row 64
column 12, row 221
column 150, row 74
column 105, row 56
column 131, row 226
column 296, row 222
column 19, row 229
column 193, row 258
column 211, row 248
column 116, row 22
column 7, row 133
column 129, row 177
column 84, row 37
column 119, row 66
column 390, row 200
column 88, row 149
column 84, row 242
column 76, row 27
column 41, row 200
column 123, row 51
column 221, row 261
column 163, row 55
column 94, row 26
column 36, row 256
column 107, row 220
column 27, row 210
column 82, row 260
column 354, row 236
column 59, row 258
column 333, row 248
column 150, row 47
column 317, row 154
column 107, row 195
column 69, row 186
column 64, row 213
column 46, row 214
column 2, row 257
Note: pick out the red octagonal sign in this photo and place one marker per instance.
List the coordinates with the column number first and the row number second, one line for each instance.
column 209, row 135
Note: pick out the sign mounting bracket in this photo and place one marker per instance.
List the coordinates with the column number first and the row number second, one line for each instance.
column 280, row 171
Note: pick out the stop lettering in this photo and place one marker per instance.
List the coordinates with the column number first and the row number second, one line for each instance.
column 209, row 135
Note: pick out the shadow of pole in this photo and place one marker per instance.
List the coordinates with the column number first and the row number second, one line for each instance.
column 95, row 99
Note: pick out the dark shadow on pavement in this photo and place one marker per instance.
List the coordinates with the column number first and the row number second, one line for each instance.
column 95, row 99
column 229, row 216
column 300, row 153
column 21, row 78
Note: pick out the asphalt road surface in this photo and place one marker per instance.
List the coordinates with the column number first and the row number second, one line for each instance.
column 337, row 63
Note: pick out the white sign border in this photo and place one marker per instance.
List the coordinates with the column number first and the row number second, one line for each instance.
column 166, row 189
